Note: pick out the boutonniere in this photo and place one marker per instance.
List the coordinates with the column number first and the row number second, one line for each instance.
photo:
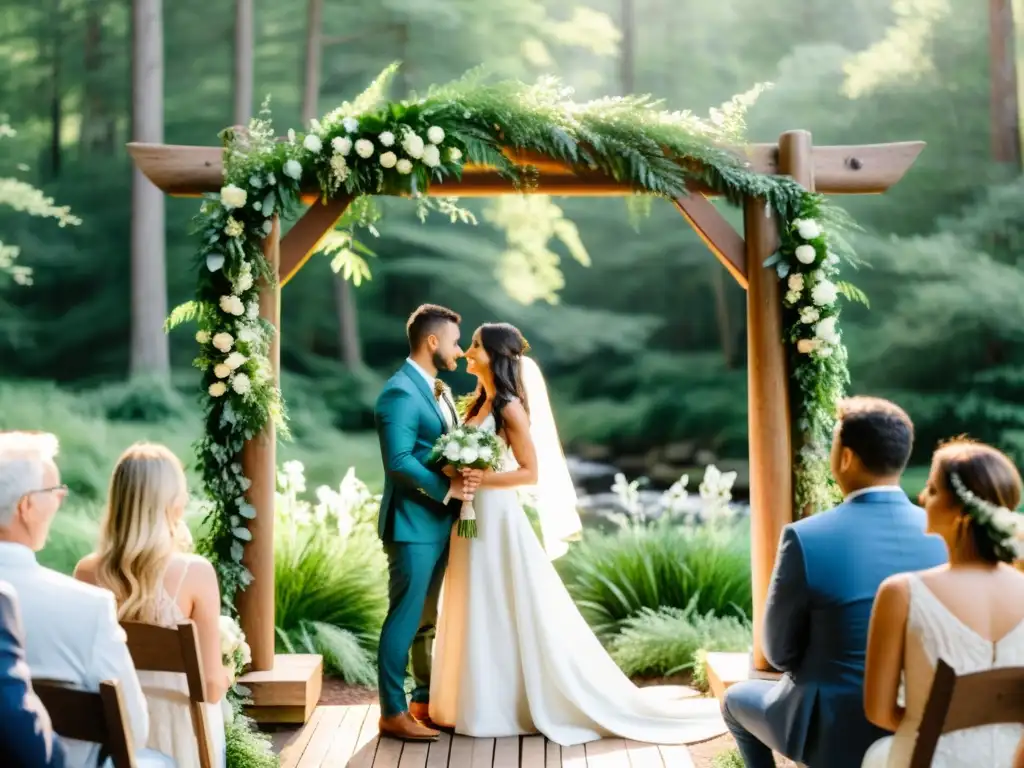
column 439, row 389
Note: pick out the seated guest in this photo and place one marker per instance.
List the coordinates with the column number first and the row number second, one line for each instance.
column 827, row 571
column 26, row 738
column 140, row 559
column 71, row 628
column 969, row 613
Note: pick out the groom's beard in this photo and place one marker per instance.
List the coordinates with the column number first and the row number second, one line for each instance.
column 442, row 363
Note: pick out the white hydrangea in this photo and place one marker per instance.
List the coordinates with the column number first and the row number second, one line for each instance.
column 824, row 293
column 235, row 361
column 241, row 384
column 388, row 159
column 413, row 145
column 247, row 335
column 339, row 166
column 350, row 124
column 826, row 331
column 431, row 156
column 244, row 281
column 202, row 337
column 435, row 134
column 223, row 342
column 252, row 311
column 233, row 197
column 312, row 143
column 404, row 166
column 809, row 315
column 808, row 228
column 293, row 168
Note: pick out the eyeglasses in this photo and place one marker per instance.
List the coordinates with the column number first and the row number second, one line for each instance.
column 61, row 489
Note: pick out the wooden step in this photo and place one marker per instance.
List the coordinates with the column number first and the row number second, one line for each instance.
column 289, row 692
column 725, row 669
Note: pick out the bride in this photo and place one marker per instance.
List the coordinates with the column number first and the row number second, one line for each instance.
column 513, row 655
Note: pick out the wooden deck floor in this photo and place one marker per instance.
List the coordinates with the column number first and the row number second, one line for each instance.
column 347, row 736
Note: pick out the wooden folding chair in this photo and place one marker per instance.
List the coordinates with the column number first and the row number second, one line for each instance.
column 96, row 716
column 993, row 697
column 165, row 649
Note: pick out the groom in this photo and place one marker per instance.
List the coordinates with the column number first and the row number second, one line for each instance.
column 417, row 511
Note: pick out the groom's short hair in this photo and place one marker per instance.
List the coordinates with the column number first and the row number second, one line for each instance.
column 427, row 319
column 878, row 431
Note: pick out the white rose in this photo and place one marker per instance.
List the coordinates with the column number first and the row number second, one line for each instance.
column 451, row 452
column 293, row 168
column 342, row 144
column 217, row 389
column 796, row 282
column 431, row 156
column 808, row 229
column 223, row 341
column 486, row 453
column 413, row 145
column 244, row 282
column 468, row 455
column 386, row 138
column 241, row 384
column 202, row 337
column 235, row 360
column 221, row 370
column 388, row 159
column 454, row 154
column 232, row 305
column 364, row 148
column 350, row 124
column 792, row 297
column 826, row 330
column 806, row 254
column 435, row 134
column 252, row 311
column 404, row 166
column 312, row 143
column 806, row 346
column 824, row 293
column 809, row 315
column 233, row 197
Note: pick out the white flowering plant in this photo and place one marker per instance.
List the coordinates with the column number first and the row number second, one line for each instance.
column 1004, row 528
column 468, row 447
column 234, row 650
column 807, row 263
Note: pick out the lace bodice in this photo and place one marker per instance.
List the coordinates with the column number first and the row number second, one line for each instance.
column 934, row 632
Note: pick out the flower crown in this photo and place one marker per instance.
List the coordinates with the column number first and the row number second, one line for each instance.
column 1003, row 527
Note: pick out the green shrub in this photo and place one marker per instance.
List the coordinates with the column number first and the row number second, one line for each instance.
column 666, row 641
column 331, row 575
column 613, row 577
column 730, row 759
column 247, row 747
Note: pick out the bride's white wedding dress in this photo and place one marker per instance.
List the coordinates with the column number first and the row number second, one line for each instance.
column 933, row 632
column 513, row 655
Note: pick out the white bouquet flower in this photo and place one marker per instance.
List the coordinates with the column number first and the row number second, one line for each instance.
column 468, row 447
column 234, row 650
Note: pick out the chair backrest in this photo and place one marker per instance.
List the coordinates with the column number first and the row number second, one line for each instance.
column 174, row 649
column 992, row 697
column 96, row 716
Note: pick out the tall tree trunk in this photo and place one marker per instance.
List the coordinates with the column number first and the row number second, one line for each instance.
column 627, row 54
column 243, row 61
column 56, row 113
column 150, row 355
column 99, row 124
column 1005, row 107
column 344, row 296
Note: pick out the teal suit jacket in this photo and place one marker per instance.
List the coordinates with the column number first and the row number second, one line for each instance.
column 409, row 421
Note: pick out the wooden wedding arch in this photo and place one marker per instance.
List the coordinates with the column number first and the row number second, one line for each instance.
column 866, row 169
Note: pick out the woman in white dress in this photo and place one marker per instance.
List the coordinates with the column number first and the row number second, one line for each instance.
column 513, row 654
column 141, row 559
column 969, row 613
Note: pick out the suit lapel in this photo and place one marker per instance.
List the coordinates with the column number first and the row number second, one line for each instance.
column 424, row 390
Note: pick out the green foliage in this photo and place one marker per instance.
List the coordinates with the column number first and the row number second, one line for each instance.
column 330, row 575
column 729, row 759
column 247, row 746
column 665, row 641
column 613, row 578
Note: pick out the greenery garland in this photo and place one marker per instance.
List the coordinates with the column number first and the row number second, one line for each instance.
column 372, row 147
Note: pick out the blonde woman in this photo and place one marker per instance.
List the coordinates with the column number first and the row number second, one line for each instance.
column 142, row 559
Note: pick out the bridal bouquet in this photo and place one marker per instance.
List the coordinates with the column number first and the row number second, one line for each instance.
column 468, row 448
column 235, row 655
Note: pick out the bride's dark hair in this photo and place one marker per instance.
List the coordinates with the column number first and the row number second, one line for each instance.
column 505, row 346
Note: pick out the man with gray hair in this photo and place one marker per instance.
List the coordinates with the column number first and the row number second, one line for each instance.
column 71, row 628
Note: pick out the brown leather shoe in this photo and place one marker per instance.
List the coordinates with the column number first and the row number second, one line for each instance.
column 405, row 728
column 421, row 712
